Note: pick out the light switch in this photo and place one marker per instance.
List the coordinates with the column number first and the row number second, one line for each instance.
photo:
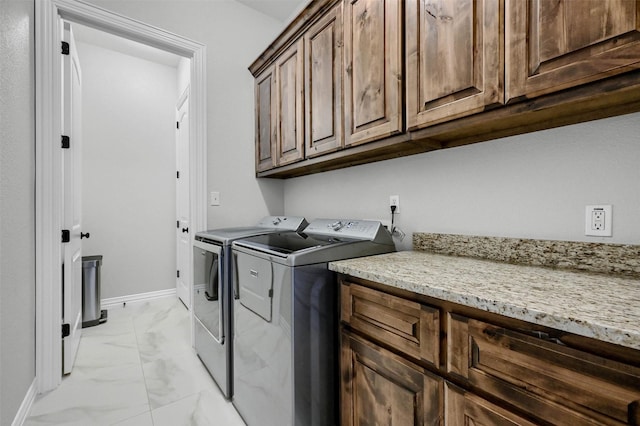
column 215, row 198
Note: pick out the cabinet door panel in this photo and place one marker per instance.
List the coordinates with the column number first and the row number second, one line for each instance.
column 552, row 45
column 379, row 387
column 454, row 59
column 265, row 120
column 373, row 73
column 323, row 84
column 466, row 409
column 290, row 131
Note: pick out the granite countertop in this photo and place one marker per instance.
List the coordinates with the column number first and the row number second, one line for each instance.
column 601, row 306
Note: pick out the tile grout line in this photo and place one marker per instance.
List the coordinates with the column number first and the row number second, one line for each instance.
column 144, row 377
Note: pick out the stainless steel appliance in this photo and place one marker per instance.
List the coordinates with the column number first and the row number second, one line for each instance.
column 286, row 320
column 212, row 295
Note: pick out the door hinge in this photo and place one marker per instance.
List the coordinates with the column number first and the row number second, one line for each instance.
column 65, row 48
column 178, row 274
column 66, row 330
column 271, row 292
column 178, row 175
column 66, row 236
column 66, row 142
column 177, row 124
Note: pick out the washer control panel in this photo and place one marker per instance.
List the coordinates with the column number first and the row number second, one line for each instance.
column 346, row 228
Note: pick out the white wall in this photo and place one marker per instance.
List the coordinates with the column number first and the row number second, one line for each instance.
column 533, row 186
column 234, row 35
column 128, row 169
column 17, row 205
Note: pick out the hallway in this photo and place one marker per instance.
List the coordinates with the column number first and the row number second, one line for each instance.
column 137, row 369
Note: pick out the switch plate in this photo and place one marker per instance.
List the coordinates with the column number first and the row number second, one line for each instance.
column 598, row 220
column 394, row 200
column 215, row 198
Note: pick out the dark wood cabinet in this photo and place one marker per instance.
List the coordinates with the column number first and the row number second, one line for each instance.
column 289, row 105
column 464, row 408
column 373, row 69
column 385, row 389
column 553, row 45
column 266, row 121
column 350, row 82
column 323, row 84
column 540, row 375
column 454, row 59
column 410, row 359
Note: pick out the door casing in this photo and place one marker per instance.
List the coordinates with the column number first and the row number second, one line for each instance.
column 49, row 169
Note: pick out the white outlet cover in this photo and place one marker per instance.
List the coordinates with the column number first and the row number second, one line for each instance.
column 602, row 228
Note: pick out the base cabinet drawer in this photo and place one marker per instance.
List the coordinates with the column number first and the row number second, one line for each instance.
column 542, row 376
column 407, row 326
column 379, row 387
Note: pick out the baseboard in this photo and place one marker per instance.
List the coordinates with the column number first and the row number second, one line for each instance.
column 25, row 407
column 140, row 297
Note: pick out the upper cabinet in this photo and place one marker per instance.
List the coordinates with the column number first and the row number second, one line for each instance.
column 373, row 69
column 265, row 120
column 355, row 81
column 454, row 59
column 553, row 45
column 289, row 105
column 323, row 84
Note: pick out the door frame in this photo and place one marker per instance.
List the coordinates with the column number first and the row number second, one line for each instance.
column 48, row 179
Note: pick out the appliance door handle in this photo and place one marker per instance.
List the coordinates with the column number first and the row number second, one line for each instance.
column 221, row 295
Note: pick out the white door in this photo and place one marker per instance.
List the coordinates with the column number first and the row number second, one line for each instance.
column 71, row 252
column 183, row 233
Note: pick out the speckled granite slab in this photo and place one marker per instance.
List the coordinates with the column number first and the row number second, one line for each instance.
column 600, row 306
column 593, row 257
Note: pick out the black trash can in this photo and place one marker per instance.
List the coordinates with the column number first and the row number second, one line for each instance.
column 91, row 313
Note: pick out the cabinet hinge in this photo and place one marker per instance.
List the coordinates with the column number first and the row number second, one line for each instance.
column 65, row 48
column 66, row 330
column 66, row 142
column 177, row 124
column 270, row 292
column 178, row 175
column 177, row 224
column 178, row 274
column 66, row 236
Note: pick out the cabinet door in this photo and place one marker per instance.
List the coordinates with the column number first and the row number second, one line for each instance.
column 290, row 88
column 381, row 388
column 265, row 120
column 323, row 84
column 454, row 59
column 373, row 69
column 552, row 45
column 464, row 408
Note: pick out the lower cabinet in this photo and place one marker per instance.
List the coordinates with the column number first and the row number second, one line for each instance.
column 465, row 408
column 419, row 361
column 382, row 388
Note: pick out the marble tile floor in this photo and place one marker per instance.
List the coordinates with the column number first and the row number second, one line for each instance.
column 137, row 369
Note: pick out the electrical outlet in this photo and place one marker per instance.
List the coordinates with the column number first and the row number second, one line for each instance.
column 394, row 200
column 598, row 221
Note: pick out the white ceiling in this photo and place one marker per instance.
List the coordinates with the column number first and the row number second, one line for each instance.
column 278, row 9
